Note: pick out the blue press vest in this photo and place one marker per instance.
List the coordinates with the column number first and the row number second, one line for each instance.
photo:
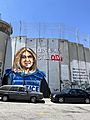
column 32, row 81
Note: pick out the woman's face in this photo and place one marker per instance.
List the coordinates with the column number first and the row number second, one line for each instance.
column 27, row 60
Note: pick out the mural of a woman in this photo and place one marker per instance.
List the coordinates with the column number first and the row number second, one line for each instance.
column 25, row 72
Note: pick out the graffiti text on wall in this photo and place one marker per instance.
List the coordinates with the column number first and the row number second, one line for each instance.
column 49, row 54
column 48, row 50
column 56, row 57
column 80, row 74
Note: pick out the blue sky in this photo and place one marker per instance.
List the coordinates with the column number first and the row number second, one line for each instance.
column 73, row 13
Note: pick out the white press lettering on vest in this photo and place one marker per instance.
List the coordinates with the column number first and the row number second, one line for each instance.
column 34, row 88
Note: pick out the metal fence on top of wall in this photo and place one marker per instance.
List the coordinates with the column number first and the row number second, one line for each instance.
column 50, row 30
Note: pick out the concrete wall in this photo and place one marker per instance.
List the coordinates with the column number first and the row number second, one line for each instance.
column 5, row 32
column 73, row 70
column 4, row 39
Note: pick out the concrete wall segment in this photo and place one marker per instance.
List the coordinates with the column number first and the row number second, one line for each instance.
column 75, row 60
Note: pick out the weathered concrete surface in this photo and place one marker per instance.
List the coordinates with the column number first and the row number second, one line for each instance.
column 43, row 111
